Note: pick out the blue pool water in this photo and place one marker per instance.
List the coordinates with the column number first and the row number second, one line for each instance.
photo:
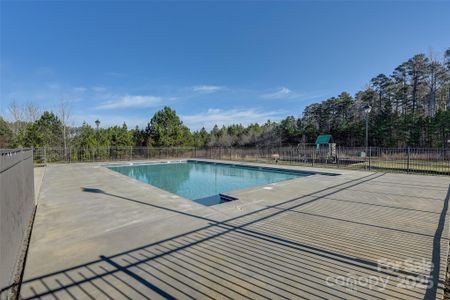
column 203, row 182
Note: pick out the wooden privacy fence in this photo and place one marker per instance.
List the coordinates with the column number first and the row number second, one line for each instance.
column 410, row 160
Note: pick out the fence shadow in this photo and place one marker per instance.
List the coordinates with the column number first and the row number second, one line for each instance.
column 261, row 254
column 436, row 257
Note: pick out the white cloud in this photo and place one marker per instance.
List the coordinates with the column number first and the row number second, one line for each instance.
column 227, row 117
column 53, row 85
column 99, row 89
column 80, row 89
column 207, row 89
column 131, row 102
column 281, row 93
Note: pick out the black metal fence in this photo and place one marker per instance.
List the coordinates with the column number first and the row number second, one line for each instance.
column 410, row 160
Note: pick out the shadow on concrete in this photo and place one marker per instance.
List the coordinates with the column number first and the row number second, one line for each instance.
column 250, row 256
column 436, row 257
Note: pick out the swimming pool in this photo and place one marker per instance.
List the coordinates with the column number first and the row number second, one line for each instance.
column 204, row 182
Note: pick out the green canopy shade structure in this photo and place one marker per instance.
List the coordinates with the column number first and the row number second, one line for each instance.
column 323, row 139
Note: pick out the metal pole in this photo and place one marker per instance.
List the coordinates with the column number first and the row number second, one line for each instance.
column 367, row 132
column 97, row 123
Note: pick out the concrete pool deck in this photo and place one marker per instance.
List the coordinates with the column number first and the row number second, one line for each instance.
column 101, row 235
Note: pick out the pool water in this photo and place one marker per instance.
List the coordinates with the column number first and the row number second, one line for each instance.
column 204, row 182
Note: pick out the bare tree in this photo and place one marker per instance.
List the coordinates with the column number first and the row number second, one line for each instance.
column 32, row 112
column 17, row 114
column 436, row 79
column 64, row 115
column 225, row 140
column 447, row 64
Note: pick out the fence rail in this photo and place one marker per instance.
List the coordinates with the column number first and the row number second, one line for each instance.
column 409, row 160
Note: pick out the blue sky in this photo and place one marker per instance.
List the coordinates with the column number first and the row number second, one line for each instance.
column 213, row 62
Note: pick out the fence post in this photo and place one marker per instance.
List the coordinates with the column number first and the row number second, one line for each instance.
column 313, row 156
column 370, row 158
column 409, row 159
column 444, row 150
column 45, row 156
column 337, row 156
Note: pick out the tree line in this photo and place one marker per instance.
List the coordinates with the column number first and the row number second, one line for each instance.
column 410, row 107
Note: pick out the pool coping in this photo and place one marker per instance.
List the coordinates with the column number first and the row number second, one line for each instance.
column 234, row 194
column 215, row 162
